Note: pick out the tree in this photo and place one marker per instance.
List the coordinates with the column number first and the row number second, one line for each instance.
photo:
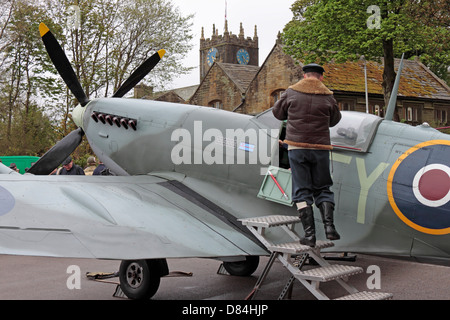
column 112, row 39
column 33, row 132
column 323, row 30
column 21, row 78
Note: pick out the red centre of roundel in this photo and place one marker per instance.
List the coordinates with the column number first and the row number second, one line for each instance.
column 434, row 184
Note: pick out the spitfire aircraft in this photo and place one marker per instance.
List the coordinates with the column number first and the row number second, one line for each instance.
column 186, row 174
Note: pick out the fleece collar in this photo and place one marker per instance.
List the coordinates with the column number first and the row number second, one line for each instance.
column 311, row 86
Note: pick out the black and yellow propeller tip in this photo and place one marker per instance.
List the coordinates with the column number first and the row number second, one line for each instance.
column 43, row 29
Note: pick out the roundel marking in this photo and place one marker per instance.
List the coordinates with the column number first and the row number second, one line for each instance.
column 7, row 201
column 418, row 187
column 431, row 185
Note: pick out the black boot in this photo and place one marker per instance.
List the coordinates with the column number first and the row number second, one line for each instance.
column 307, row 216
column 326, row 210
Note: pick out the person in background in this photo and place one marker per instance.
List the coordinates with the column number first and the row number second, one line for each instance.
column 70, row 168
column 91, row 166
column 102, row 170
column 99, row 169
column 13, row 166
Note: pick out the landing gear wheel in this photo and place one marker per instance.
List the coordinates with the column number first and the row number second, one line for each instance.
column 138, row 280
column 242, row 268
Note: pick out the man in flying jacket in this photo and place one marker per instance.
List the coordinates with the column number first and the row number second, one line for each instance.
column 310, row 110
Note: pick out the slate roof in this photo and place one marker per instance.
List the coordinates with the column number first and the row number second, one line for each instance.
column 186, row 92
column 417, row 80
column 241, row 75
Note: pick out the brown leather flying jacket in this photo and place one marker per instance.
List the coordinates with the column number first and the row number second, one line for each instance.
column 310, row 110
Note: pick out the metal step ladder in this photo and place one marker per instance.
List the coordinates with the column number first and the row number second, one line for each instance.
column 293, row 256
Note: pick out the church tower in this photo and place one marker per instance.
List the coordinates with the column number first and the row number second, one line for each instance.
column 228, row 48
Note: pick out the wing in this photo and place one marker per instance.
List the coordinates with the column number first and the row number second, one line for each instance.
column 105, row 217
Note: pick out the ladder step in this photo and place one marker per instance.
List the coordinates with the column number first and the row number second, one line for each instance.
column 270, row 221
column 367, row 295
column 297, row 248
column 328, row 273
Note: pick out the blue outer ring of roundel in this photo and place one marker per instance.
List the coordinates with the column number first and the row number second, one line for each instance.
column 7, row 201
column 423, row 218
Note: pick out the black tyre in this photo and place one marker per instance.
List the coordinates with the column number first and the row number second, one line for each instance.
column 139, row 279
column 242, row 268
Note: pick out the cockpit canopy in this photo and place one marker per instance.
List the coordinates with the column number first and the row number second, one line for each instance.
column 354, row 132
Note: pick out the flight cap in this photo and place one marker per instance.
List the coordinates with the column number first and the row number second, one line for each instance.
column 313, row 67
column 67, row 161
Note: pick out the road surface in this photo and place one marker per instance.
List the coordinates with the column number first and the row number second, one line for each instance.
column 41, row 278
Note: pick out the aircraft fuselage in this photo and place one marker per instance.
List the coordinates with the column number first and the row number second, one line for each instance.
column 377, row 206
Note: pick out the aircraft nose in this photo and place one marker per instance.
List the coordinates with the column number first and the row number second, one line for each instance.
column 77, row 115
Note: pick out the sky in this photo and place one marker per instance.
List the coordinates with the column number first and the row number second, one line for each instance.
column 270, row 17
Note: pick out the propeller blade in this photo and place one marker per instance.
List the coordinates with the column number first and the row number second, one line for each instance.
column 57, row 154
column 62, row 64
column 139, row 73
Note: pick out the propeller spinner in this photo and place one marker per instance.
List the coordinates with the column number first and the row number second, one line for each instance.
column 62, row 149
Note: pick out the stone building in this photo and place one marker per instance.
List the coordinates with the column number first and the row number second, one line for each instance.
column 422, row 96
column 228, row 48
column 231, row 79
column 228, row 63
column 276, row 74
column 224, row 86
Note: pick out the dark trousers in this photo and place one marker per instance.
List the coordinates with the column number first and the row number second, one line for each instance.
column 311, row 179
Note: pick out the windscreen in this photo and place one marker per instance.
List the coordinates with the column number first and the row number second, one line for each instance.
column 355, row 131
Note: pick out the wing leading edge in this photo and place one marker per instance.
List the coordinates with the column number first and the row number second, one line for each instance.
column 139, row 217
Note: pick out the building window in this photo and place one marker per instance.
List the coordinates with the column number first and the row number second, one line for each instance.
column 215, row 104
column 413, row 113
column 440, row 116
column 276, row 95
column 346, row 105
column 378, row 110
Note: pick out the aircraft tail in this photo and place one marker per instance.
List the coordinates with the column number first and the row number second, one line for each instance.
column 393, row 100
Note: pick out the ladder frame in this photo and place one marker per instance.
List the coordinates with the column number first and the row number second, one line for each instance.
column 284, row 253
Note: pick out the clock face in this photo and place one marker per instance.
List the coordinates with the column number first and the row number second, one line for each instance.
column 242, row 56
column 211, row 56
